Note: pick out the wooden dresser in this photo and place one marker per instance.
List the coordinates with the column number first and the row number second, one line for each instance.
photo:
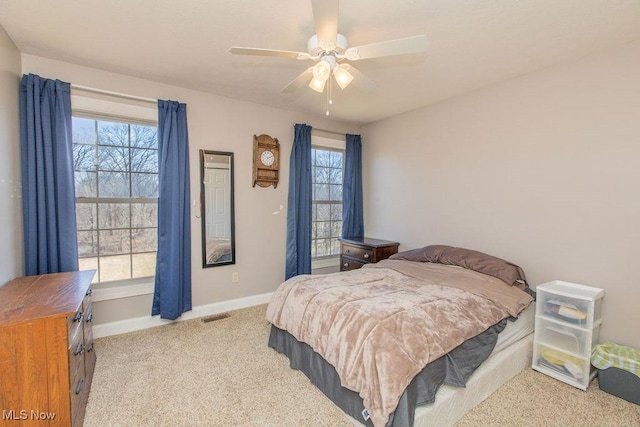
column 46, row 349
column 358, row 251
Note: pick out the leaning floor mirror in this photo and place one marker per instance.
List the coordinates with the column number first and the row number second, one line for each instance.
column 216, row 201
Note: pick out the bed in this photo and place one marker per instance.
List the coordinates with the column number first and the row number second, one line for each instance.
column 380, row 341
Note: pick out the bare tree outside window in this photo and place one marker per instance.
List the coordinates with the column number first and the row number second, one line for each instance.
column 116, row 183
column 326, row 219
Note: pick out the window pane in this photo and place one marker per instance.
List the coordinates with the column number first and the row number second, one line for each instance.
column 336, row 159
column 115, row 267
column 323, row 158
column 324, row 212
column 336, row 192
column 336, row 212
column 144, row 215
column 113, row 184
column 113, row 158
column 110, row 133
column 83, row 130
column 144, row 136
column 113, row 215
column 86, row 218
column 321, row 191
column 335, row 246
column 327, row 187
column 144, row 160
column 87, row 243
column 89, row 264
column 336, row 229
column 144, row 185
column 86, row 184
column 335, row 176
column 323, row 247
column 114, row 242
column 324, row 229
column 321, row 175
column 144, row 264
column 84, row 157
column 116, row 160
column 144, row 240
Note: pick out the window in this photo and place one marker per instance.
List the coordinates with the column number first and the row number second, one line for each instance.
column 116, row 183
column 326, row 216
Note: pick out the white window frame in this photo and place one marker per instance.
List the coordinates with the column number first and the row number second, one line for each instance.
column 99, row 108
column 331, row 144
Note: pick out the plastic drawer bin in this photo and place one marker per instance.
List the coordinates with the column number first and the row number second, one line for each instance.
column 618, row 370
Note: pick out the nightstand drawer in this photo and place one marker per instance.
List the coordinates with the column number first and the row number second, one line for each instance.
column 347, row 264
column 358, row 253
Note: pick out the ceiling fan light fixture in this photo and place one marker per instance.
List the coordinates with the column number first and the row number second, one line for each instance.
column 322, row 70
column 317, row 84
column 343, row 77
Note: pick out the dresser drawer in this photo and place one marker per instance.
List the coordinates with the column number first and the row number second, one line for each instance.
column 76, row 355
column 357, row 253
column 347, row 264
column 74, row 324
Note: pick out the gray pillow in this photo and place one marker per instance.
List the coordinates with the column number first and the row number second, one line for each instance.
column 509, row 273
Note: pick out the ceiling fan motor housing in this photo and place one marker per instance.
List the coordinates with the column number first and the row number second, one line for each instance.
column 317, row 47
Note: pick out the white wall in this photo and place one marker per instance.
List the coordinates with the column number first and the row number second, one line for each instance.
column 11, row 255
column 542, row 170
column 215, row 123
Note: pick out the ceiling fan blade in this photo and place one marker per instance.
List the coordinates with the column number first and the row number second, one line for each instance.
column 415, row 44
column 325, row 17
column 302, row 79
column 269, row 52
column 360, row 80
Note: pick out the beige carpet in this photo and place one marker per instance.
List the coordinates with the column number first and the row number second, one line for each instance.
column 223, row 374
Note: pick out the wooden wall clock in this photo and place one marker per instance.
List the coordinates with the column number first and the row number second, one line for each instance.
column 266, row 161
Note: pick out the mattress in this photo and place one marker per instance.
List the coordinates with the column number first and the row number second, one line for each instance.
column 516, row 330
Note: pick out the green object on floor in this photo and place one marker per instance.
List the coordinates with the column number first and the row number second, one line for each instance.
column 610, row 355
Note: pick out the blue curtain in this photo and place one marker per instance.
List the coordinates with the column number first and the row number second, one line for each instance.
column 48, row 193
column 299, row 204
column 172, row 295
column 352, row 210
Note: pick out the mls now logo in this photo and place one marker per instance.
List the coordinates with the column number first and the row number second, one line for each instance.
column 13, row 415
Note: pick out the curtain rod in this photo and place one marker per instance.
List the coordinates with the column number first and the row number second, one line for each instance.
column 327, row 131
column 111, row 93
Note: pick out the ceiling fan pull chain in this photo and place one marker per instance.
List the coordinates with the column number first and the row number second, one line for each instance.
column 328, row 97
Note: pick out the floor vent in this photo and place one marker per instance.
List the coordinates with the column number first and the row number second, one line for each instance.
column 215, row 317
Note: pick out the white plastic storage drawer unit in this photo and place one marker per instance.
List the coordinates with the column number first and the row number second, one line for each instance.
column 567, row 329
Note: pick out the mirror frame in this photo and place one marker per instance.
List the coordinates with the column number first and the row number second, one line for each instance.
column 203, row 222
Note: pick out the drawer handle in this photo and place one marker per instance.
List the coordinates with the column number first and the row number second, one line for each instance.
column 80, row 385
column 79, row 350
column 88, row 294
column 366, row 256
column 90, row 347
column 77, row 317
column 89, row 318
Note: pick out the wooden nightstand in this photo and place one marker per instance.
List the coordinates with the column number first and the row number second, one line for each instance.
column 358, row 251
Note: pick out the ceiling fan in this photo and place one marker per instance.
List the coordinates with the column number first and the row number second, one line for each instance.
column 330, row 49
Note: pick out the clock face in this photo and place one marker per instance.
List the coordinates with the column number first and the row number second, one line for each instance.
column 267, row 158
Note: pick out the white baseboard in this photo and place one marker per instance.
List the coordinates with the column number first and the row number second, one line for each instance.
column 138, row 323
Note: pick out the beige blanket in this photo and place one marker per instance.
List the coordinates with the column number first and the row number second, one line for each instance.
column 380, row 326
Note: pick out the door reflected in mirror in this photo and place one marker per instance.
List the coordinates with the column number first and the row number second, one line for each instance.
column 216, row 200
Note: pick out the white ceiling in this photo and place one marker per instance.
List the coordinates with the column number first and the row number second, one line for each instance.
column 472, row 44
